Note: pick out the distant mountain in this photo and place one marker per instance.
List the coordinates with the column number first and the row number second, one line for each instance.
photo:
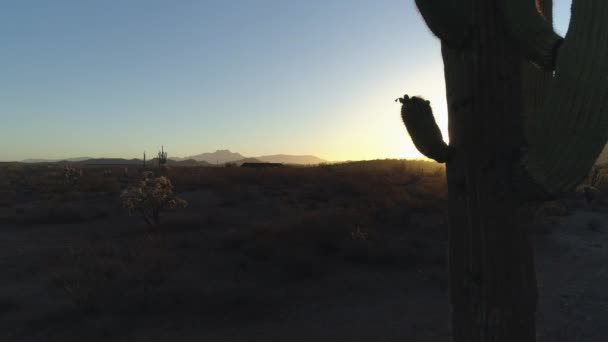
column 289, row 159
column 184, row 162
column 246, row 160
column 150, row 162
column 55, row 160
column 217, row 157
column 110, row 161
column 226, row 156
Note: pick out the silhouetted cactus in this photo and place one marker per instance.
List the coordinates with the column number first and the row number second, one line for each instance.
column 527, row 119
column 423, row 129
column 162, row 157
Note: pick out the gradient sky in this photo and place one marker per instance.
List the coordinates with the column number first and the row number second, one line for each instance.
column 114, row 78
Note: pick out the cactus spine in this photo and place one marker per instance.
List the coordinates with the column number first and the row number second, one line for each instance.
column 516, row 132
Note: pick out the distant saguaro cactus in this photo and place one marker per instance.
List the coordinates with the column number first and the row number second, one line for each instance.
column 162, row 157
column 527, row 119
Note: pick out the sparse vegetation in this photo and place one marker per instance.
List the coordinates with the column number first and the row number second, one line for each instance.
column 252, row 242
column 301, row 219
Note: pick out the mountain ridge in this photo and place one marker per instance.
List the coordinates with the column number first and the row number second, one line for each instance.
column 218, row 157
column 226, row 156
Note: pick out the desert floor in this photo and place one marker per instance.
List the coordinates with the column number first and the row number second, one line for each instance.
column 283, row 261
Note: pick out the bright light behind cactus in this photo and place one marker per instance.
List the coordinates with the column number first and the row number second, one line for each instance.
column 238, row 82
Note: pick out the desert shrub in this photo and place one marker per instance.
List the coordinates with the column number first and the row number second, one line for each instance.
column 152, row 196
column 71, row 174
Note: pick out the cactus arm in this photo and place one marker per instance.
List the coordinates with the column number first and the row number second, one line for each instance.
column 418, row 118
column 568, row 134
column 447, row 20
column 532, row 32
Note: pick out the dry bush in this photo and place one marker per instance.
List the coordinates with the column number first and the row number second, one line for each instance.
column 153, row 196
column 71, row 175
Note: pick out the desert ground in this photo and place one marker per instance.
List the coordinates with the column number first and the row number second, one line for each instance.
column 347, row 252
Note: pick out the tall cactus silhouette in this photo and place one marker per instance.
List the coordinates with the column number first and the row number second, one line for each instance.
column 528, row 116
column 161, row 158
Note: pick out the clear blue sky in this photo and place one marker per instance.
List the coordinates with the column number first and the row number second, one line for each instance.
column 113, row 78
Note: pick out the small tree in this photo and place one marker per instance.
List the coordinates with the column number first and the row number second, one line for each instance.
column 151, row 197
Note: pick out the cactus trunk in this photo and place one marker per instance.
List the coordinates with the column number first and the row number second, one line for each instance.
column 515, row 131
column 491, row 265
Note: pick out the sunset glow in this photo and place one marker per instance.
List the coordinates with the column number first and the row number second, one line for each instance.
column 112, row 79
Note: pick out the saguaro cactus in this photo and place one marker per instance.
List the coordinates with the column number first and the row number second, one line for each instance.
column 528, row 116
column 161, row 158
